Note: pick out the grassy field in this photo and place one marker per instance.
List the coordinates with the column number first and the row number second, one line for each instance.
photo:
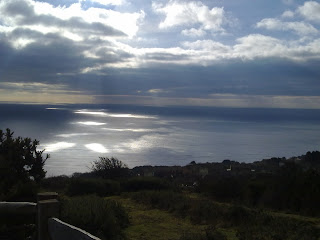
column 147, row 223
column 155, row 224
column 155, row 209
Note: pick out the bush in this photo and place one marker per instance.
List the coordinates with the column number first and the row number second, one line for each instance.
column 109, row 168
column 145, row 183
column 19, row 225
column 18, row 232
column 228, row 189
column 20, row 159
column 100, row 187
column 250, row 224
column 211, row 233
column 58, row 183
column 167, row 200
column 205, row 212
column 103, row 218
column 23, row 192
column 262, row 225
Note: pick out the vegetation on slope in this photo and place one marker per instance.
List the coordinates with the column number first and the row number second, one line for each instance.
column 220, row 201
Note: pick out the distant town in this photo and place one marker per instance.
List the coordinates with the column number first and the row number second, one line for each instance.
column 195, row 171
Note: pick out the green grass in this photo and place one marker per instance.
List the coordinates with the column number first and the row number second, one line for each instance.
column 183, row 217
column 154, row 224
column 310, row 220
column 307, row 219
column 103, row 218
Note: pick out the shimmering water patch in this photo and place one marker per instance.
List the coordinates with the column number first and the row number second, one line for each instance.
column 96, row 147
column 52, row 147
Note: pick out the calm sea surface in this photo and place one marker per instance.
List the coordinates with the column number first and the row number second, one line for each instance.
column 76, row 135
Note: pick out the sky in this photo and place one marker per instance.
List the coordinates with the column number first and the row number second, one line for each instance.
column 221, row 53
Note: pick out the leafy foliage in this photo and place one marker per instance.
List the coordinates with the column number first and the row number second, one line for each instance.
column 145, row 183
column 56, row 183
column 109, row 168
column 290, row 189
column 20, row 161
column 101, row 187
column 211, row 233
column 103, row 218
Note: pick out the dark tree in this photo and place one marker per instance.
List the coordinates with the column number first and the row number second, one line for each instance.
column 109, row 167
column 20, row 161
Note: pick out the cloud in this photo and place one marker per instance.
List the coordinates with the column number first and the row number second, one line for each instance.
column 230, row 100
column 82, row 42
column 267, row 101
column 109, row 2
column 288, row 14
column 191, row 13
column 36, row 92
column 207, row 45
column 89, row 52
column 48, row 57
column 33, row 86
column 261, row 46
column 61, row 41
column 257, row 45
column 300, row 28
column 69, row 21
column 192, row 32
column 310, row 11
column 157, row 91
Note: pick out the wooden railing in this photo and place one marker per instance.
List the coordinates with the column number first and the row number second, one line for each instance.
column 46, row 210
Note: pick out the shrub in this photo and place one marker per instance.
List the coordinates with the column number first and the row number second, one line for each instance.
column 57, row 183
column 20, row 159
column 205, row 212
column 100, row 187
column 251, row 224
column 145, row 183
column 22, row 191
column 263, row 225
column 211, row 233
column 167, row 200
column 104, row 218
column 109, row 168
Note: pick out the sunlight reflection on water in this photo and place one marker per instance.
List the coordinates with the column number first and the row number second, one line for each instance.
column 142, row 143
column 122, row 115
column 77, row 137
column 67, row 135
column 127, row 130
column 58, row 146
column 96, row 147
column 92, row 123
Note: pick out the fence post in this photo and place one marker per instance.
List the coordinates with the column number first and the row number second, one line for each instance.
column 46, row 208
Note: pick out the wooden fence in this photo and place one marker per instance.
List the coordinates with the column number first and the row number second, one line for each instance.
column 46, row 210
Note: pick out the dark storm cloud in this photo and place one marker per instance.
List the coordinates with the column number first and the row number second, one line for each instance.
column 109, row 54
column 252, row 77
column 41, row 62
column 165, row 56
column 19, row 8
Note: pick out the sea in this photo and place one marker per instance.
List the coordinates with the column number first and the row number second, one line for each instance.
column 77, row 135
